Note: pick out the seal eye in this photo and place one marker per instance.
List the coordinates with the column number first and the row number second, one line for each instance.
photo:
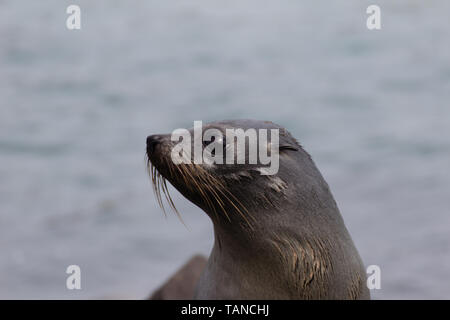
column 207, row 143
column 220, row 140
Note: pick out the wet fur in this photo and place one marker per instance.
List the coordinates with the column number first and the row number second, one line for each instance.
column 276, row 237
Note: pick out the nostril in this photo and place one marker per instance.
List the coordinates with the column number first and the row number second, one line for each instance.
column 152, row 142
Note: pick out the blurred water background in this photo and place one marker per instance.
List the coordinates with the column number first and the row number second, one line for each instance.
column 372, row 107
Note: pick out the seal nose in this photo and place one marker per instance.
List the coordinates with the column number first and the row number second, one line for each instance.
column 152, row 142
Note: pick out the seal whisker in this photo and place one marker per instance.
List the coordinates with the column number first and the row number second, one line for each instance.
column 200, row 189
column 224, row 191
column 157, row 185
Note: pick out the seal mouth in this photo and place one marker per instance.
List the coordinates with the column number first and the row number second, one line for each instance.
column 193, row 181
column 159, row 183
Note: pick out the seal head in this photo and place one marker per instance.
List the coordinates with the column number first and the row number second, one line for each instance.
column 277, row 236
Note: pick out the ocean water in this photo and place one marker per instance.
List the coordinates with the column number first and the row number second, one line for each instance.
column 372, row 107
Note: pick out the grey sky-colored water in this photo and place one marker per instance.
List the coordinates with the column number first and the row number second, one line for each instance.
column 76, row 106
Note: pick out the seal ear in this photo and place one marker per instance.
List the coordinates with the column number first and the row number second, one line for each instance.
column 288, row 147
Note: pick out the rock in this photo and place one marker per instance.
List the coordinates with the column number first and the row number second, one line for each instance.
column 181, row 285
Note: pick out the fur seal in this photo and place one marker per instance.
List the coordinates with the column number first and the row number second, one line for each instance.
column 276, row 236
